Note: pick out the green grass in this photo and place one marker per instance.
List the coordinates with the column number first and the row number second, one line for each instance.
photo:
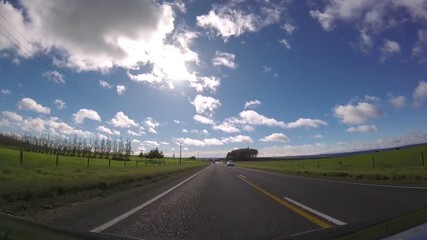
column 403, row 165
column 39, row 177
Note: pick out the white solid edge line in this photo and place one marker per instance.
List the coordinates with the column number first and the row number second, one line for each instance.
column 242, row 176
column 136, row 209
column 322, row 215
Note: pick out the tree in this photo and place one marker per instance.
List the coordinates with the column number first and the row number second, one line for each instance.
column 242, row 154
column 102, row 148
column 128, row 149
column 154, row 153
column 108, row 149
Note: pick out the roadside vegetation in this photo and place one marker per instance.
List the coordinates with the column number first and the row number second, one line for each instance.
column 404, row 165
column 41, row 175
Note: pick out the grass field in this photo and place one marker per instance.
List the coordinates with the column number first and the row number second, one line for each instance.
column 39, row 177
column 397, row 165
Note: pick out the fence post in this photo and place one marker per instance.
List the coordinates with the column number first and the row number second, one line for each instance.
column 341, row 164
column 422, row 159
column 21, row 157
column 56, row 162
column 88, row 161
column 373, row 162
column 109, row 162
column 318, row 164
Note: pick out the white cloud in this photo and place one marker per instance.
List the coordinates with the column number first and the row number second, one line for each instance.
column 226, row 127
column 373, row 19
column 285, row 43
column 325, row 19
column 318, row 136
column 251, row 104
column 203, row 119
column 205, row 105
column 420, row 92
column 12, row 116
column 420, row 47
column 121, row 31
column 398, row 102
column 199, row 143
column 359, row 114
column 231, row 20
column 37, row 125
column 184, row 130
column 267, row 68
column 151, row 143
column 54, row 76
column 52, row 126
column 369, row 98
column 289, row 28
column 129, row 34
column 122, row 121
column 84, row 113
column 389, row 49
column 31, row 105
column 254, row 118
column 238, row 139
column 205, row 83
column 213, row 142
column 59, row 104
column 105, row 84
column 120, row 89
column 151, row 125
column 362, row 129
column 106, row 130
column 224, row 59
column 176, row 121
column 307, row 122
column 133, row 133
column 275, row 137
column 5, row 92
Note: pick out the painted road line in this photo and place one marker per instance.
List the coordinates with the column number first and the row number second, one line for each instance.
column 291, row 207
column 136, row 209
column 241, row 176
column 322, row 215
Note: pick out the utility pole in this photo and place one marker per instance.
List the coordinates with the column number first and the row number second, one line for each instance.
column 180, row 149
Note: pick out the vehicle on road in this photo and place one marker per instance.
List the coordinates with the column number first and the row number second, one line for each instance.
column 230, row 163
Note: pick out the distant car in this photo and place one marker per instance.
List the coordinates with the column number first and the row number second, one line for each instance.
column 230, row 163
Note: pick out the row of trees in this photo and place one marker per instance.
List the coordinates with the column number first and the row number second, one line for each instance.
column 77, row 146
column 242, row 154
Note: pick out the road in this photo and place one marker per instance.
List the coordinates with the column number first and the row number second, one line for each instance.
column 237, row 203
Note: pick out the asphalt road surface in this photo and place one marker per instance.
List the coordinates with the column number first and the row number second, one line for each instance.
column 223, row 202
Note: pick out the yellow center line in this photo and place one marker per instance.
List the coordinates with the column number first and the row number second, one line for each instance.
column 291, row 207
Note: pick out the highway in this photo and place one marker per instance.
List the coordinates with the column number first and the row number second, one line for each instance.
column 220, row 202
column 236, row 203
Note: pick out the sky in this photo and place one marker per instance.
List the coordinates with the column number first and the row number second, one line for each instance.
column 285, row 77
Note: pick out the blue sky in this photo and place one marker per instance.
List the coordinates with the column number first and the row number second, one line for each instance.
column 284, row 77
